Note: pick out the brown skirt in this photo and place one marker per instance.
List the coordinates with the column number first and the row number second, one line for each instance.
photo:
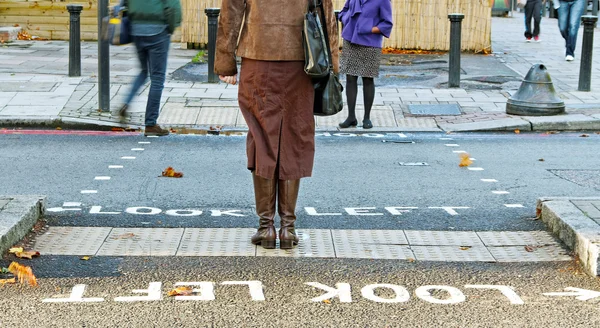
column 276, row 99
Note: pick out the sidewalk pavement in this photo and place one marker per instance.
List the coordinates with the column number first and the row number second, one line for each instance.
column 35, row 90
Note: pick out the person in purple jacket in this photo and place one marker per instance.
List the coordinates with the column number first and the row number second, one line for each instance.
column 364, row 24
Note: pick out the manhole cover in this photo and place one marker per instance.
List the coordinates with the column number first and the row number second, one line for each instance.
column 441, row 109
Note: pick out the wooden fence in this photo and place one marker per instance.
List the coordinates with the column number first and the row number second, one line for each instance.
column 418, row 24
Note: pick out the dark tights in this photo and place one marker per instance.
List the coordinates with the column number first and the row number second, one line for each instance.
column 368, row 94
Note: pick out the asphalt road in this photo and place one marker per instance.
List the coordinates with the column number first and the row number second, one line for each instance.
column 357, row 177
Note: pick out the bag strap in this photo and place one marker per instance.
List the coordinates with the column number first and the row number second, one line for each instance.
column 325, row 32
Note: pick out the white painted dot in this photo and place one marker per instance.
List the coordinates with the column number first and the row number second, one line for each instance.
column 472, row 159
column 475, row 168
column 102, row 178
column 500, row 192
column 446, row 139
column 489, row 180
column 144, row 142
column 151, row 136
column 452, row 145
column 514, row 205
column 115, row 166
column 459, row 151
column 89, row 191
column 73, row 204
column 128, row 157
column 137, row 149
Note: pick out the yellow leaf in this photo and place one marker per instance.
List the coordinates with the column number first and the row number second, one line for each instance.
column 410, row 259
column 465, row 160
column 15, row 250
column 86, row 258
column 327, row 301
column 181, row 291
column 517, row 131
column 7, row 281
column 464, row 248
column 27, row 254
column 23, row 273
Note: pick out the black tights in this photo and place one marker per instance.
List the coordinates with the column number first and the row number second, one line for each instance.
column 368, row 94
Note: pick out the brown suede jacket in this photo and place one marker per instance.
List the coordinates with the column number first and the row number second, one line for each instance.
column 272, row 31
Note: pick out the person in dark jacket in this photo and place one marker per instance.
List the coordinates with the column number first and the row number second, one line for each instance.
column 152, row 39
column 365, row 23
column 276, row 98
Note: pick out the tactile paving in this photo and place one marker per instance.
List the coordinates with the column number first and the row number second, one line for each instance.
column 452, row 254
column 536, row 254
column 516, row 238
column 71, row 240
column 313, row 243
column 142, row 242
column 392, row 237
column 443, row 238
column 217, row 234
column 373, row 251
column 217, row 242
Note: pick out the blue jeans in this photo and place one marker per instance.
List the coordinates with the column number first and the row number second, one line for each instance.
column 569, row 19
column 152, row 52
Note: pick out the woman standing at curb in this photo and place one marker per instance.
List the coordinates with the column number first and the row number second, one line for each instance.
column 365, row 23
column 569, row 19
column 276, row 98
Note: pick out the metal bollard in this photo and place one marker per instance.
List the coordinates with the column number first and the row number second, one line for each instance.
column 74, row 39
column 585, row 69
column 213, row 22
column 595, row 8
column 455, row 42
column 103, row 61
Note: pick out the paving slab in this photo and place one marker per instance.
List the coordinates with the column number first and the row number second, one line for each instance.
column 503, row 124
column 571, row 122
column 18, row 214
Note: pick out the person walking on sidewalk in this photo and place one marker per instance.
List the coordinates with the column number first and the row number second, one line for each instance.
column 569, row 19
column 365, row 23
column 276, row 98
column 152, row 39
column 533, row 9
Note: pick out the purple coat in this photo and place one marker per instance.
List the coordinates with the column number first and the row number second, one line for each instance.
column 360, row 16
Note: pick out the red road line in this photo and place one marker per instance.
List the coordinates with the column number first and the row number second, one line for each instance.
column 70, row 132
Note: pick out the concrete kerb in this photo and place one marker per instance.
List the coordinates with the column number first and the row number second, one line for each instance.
column 17, row 218
column 574, row 228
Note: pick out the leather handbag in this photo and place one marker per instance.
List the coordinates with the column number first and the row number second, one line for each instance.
column 328, row 89
column 116, row 27
column 316, row 58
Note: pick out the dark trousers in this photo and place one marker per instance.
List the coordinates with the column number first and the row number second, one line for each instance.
column 533, row 9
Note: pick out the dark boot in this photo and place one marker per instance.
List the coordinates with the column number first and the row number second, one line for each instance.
column 265, row 195
column 287, row 194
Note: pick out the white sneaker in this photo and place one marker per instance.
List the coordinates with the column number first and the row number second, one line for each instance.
column 569, row 58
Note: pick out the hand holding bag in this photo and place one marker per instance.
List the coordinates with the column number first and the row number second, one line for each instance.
column 116, row 28
column 328, row 90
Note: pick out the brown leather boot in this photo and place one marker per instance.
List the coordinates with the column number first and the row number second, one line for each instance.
column 287, row 194
column 265, row 195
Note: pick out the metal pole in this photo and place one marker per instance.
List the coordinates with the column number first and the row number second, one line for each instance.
column 455, row 42
column 74, row 39
column 585, row 70
column 103, row 61
column 213, row 22
column 595, row 8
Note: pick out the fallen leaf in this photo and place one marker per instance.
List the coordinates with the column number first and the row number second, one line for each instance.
column 86, row 258
column 529, row 248
column 58, row 128
column 7, row 281
column 15, row 250
column 541, row 159
column 169, row 172
column 464, row 248
column 327, row 301
column 181, row 291
column 585, row 135
column 117, row 129
column 125, row 236
column 23, row 273
column 465, row 160
column 517, row 131
column 27, row 254
column 552, row 132
column 410, row 260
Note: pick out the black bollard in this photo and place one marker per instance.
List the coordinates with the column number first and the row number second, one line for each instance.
column 595, row 8
column 455, row 42
column 74, row 39
column 103, row 61
column 213, row 22
column 585, row 69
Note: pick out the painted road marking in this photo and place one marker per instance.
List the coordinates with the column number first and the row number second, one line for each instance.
column 204, row 291
column 115, row 166
column 508, row 246
column 128, row 157
column 144, row 142
column 72, row 204
column 459, row 152
column 514, row 205
column 452, row 145
column 137, row 149
column 89, row 191
column 102, row 178
column 489, row 180
column 446, row 139
column 500, row 192
column 475, row 168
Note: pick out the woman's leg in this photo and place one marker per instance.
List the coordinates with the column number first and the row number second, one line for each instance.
column 537, row 17
column 528, row 15
column 577, row 8
column 369, row 95
column 351, row 91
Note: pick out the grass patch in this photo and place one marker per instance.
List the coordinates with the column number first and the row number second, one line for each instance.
column 199, row 58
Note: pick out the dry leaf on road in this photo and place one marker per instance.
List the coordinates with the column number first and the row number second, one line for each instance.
column 529, row 248
column 517, row 131
column 181, row 291
column 585, row 135
column 464, row 248
column 465, row 160
column 15, row 250
column 27, row 254
column 8, row 281
column 125, row 236
column 86, row 258
column 169, row 172
column 23, row 273
column 327, row 301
